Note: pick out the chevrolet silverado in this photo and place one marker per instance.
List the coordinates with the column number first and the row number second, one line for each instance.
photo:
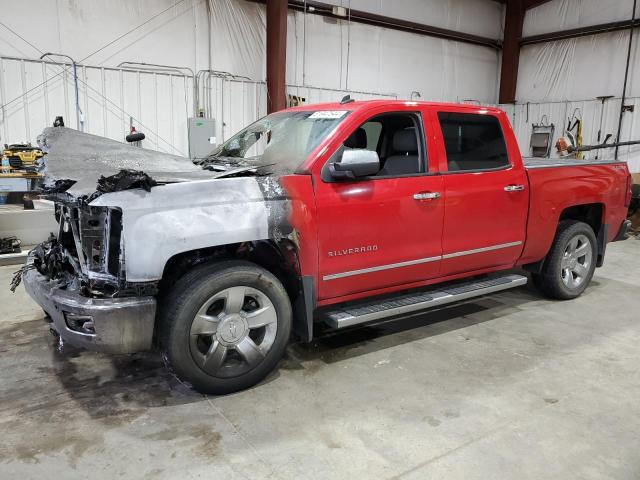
column 343, row 213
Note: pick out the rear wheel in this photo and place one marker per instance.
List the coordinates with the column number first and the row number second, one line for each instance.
column 569, row 266
column 225, row 326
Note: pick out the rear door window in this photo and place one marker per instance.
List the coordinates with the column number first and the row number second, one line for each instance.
column 473, row 142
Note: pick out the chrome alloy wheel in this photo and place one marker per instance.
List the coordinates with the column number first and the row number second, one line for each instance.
column 233, row 331
column 576, row 261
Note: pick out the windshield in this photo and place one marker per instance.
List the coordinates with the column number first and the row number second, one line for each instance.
column 280, row 141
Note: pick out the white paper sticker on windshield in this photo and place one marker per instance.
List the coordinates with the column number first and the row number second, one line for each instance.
column 328, row 114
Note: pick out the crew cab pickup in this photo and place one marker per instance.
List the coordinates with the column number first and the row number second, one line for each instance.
column 342, row 213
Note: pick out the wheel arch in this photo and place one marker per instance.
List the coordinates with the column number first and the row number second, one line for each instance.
column 281, row 258
column 593, row 214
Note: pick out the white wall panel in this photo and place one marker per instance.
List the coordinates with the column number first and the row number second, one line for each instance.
column 79, row 28
column 330, row 53
column 339, row 58
column 171, row 32
column 239, row 103
column 555, row 78
column 578, row 68
column 480, row 17
column 238, row 38
column 159, row 103
column 137, row 30
column 567, row 14
column 320, row 95
column 233, row 104
column 322, row 40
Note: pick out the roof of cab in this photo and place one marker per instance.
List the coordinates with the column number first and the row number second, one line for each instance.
column 365, row 104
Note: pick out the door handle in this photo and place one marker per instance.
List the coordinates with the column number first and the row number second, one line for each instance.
column 426, row 195
column 514, row 188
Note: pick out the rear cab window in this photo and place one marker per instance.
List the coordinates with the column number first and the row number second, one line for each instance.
column 473, row 142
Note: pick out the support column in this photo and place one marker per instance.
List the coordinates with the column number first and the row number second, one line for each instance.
column 514, row 20
column 276, row 54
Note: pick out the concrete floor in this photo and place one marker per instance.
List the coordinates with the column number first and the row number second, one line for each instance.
column 507, row 386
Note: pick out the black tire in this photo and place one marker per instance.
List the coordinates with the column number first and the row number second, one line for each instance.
column 550, row 281
column 187, row 298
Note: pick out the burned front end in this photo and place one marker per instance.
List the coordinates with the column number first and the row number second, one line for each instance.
column 77, row 276
column 123, row 213
column 87, row 252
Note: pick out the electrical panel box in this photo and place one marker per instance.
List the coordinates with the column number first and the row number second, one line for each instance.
column 202, row 137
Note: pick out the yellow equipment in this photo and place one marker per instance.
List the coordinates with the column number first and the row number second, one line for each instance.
column 577, row 127
column 20, row 157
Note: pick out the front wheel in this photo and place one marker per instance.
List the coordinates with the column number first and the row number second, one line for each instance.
column 225, row 326
column 569, row 265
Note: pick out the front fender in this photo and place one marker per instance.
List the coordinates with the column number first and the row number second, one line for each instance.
column 179, row 217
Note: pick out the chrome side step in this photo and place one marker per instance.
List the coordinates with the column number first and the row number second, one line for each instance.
column 412, row 302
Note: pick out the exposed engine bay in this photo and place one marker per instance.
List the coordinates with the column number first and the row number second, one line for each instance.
column 86, row 254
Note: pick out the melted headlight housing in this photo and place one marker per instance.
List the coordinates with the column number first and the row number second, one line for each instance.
column 92, row 238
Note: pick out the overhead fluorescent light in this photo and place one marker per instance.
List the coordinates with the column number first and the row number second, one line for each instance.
column 339, row 11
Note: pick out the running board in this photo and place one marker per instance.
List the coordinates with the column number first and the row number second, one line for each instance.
column 408, row 303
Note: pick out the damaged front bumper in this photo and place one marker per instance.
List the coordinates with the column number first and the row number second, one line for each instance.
column 111, row 325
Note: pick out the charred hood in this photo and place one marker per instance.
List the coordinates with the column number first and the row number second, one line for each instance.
column 81, row 159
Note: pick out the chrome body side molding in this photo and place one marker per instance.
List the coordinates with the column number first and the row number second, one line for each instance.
column 378, row 268
column 381, row 267
column 481, row 250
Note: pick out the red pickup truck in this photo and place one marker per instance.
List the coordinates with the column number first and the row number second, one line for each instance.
column 342, row 213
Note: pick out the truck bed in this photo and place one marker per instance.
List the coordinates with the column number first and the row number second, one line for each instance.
column 539, row 162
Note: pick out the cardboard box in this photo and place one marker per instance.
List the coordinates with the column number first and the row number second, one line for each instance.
column 636, row 178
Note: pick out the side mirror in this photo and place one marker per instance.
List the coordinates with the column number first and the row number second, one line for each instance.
column 354, row 164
